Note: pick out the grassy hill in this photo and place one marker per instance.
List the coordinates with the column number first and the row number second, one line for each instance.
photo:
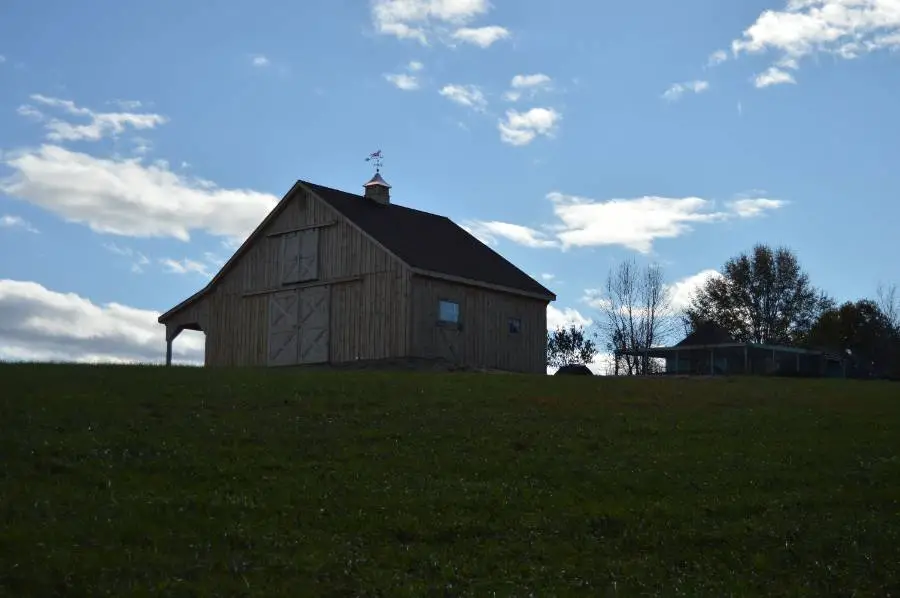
column 141, row 481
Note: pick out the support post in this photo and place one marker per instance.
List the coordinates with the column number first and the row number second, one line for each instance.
column 746, row 360
column 171, row 334
column 677, row 363
column 798, row 363
column 712, row 362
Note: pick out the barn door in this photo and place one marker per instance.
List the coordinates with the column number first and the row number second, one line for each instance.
column 309, row 255
column 290, row 258
column 314, row 324
column 300, row 256
column 283, row 328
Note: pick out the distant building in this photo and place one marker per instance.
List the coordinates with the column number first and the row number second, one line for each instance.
column 331, row 277
column 710, row 350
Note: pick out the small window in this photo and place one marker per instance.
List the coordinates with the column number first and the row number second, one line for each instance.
column 448, row 312
column 515, row 325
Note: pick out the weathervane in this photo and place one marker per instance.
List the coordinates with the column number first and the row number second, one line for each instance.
column 376, row 157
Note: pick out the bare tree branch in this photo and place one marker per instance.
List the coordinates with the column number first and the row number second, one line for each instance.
column 637, row 316
column 888, row 300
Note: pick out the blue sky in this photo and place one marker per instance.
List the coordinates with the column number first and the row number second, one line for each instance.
column 141, row 141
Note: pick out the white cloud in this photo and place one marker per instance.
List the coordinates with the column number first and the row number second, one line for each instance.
column 403, row 81
column 406, row 81
column 213, row 260
column 142, row 146
column 596, row 299
column 631, row 223
column 773, row 76
column 679, row 89
column 636, row 223
column 30, row 112
column 751, row 207
column 128, row 197
column 717, row 57
column 465, row 95
column 557, row 318
column 683, row 290
column 8, row 221
column 548, row 277
column 101, row 124
column 127, row 104
column 482, row 37
column 138, row 260
column 521, row 128
column 38, row 324
column 186, row 266
column 260, row 60
column 2, row 58
column 447, row 20
column 487, row 232
column 844, row 28
column 527, row 83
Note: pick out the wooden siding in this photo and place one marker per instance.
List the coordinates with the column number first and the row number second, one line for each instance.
column 195, row 316
column 367, row 291
column 483, row 340
column 370, row 318
column 343, row 250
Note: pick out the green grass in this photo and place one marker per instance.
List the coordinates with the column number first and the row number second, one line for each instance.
column 142, row 481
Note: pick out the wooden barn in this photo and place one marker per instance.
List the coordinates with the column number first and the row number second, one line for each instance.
column 331, row 277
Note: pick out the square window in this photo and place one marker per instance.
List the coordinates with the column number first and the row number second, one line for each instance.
column 448, row 311
column 515, row 325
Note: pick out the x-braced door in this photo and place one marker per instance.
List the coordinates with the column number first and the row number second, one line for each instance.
column 314, row 324
column 283, row 328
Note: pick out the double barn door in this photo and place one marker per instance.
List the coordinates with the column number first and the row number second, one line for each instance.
column 299, row 323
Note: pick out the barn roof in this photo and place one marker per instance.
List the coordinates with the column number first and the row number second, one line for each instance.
column 707, row 333
column 429, row 242
column 426, row 242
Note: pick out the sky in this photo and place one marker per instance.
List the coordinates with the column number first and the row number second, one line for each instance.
column 141, row 142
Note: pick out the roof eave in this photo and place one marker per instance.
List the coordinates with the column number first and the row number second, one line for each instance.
column 548, row 297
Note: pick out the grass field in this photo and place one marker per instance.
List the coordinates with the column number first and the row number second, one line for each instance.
column 141, row 481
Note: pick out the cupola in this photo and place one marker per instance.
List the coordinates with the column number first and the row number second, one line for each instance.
column 377, row 189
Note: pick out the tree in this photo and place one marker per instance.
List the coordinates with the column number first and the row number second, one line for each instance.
column 860, row 330
column 638, row 315
column 567, row 346
column 888, row 299
column 761, row 297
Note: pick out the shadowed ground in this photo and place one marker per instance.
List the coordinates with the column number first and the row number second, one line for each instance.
column 145, row 481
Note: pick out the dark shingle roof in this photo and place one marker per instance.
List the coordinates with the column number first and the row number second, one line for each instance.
column 429, row 242
column 707, row 333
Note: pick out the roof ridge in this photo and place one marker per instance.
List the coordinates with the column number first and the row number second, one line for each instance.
column 364, row 198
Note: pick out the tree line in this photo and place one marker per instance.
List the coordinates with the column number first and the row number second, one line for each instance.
column 762, row 296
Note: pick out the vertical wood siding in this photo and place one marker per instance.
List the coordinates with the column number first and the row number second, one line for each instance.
column 368, row 315
column 484, row 340
column 370, row 318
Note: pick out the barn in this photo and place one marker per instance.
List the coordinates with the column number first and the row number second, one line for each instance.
column 331, row 277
